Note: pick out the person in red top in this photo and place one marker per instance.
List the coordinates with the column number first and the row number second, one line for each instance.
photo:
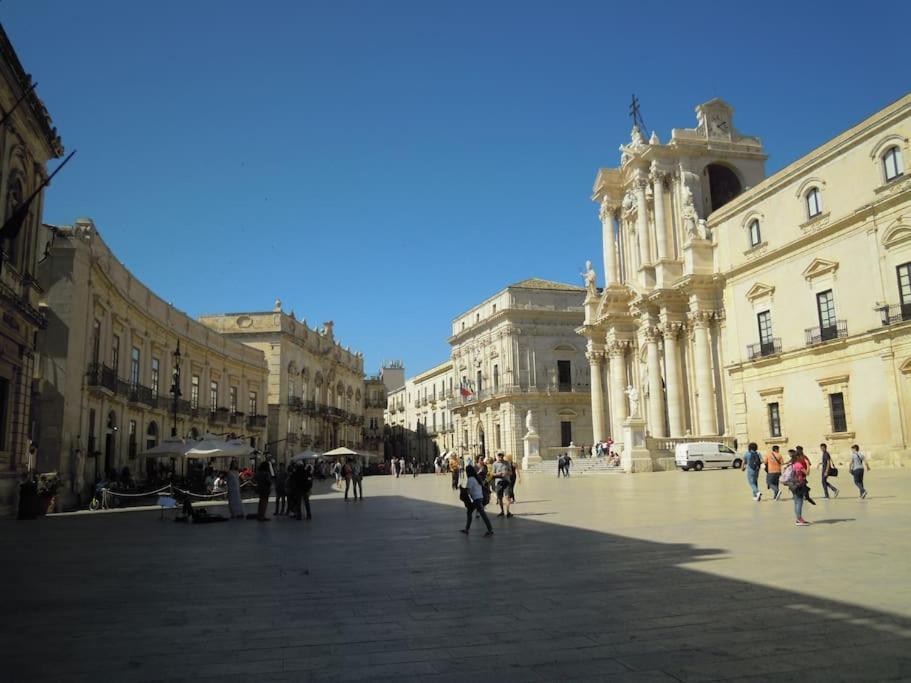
column 797, row 484
column 805, row 461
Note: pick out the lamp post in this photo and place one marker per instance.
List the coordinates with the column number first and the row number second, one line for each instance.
column 175, row 389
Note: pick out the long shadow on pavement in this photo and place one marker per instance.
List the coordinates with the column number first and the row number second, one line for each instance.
column 387, row 588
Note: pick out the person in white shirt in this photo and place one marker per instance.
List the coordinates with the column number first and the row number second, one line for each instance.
column 859, row 464
column 476, row 499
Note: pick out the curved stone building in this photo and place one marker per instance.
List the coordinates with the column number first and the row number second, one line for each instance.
column 107, row 362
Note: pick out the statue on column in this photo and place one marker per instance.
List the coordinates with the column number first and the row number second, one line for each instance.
column 591, row 279
column 690, row 217
column 633, row 400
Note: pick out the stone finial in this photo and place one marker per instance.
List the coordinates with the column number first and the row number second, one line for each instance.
column 278, row 306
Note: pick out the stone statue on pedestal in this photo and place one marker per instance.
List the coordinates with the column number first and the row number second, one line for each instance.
column 633, row 400
column 529, row 424
column 591, row 279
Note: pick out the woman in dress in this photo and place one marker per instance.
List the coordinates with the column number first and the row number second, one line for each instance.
column 235, row 503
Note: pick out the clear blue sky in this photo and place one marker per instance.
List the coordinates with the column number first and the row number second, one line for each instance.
column 388, row 165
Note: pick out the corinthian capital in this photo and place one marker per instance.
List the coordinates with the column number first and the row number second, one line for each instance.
column 700, row 318
column 608, row 210
column 651, row 334
column 671, row 329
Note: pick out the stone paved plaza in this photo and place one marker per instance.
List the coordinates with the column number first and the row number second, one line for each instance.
column 671, row 576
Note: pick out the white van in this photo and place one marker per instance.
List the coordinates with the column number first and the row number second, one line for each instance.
column 705, row 454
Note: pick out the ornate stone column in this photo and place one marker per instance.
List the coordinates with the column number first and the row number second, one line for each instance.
column 658, row 178
column 609, row 247
column 672, row 379
column 642, row 220
column 617, row 351
column 655, row 391
column 595, row 357
column 702, row 355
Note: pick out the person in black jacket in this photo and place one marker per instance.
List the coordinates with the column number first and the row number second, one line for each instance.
column 301, row 480
column 263, row 488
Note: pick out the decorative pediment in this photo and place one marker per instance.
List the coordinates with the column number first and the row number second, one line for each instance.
column 896, row 234
column 818, row 267
column 564, row 347
column 760, row 290
column 905, row 368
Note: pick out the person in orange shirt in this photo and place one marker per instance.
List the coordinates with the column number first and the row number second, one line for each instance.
column 773, row 462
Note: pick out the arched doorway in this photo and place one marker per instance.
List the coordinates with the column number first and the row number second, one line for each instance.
column 724, row 185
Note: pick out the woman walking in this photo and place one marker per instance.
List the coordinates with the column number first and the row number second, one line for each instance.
column 235, row 502
column 858, row 465
column 475, row 502
column 795, row 477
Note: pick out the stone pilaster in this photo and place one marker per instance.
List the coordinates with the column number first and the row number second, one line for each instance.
column 702, row 355
column 609, row 247
column 672, row 378
column 595, row 357
column 655, row 390
column 619, row 410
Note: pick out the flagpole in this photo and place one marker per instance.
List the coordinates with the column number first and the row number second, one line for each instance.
column 18, row 102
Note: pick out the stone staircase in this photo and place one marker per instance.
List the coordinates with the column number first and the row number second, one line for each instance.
column 580, row 467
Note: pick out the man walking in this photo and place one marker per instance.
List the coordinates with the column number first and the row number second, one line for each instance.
column 281, row 482
column 263, row 487
column 502, row 474
column 828, row 470
column 773, row 462
column 858, row 465
column 752, row 461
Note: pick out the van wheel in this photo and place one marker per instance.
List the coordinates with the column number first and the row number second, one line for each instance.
column 697, row 466
column 737, row 463
column 685, row 469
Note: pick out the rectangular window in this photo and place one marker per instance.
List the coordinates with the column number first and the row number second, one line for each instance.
column 496, row 377
column 213, row 395
column 479, row 382
column 825, row 305
column 96, row 341
column 232, row 395
column 814, row 206
column 115, row 353
column 904, row 289
column 290, row 390
column 566, row 433
column 134, row 366
column 837, row 406
column 766, row 344
column 564, row 375
column 194, row 392
column 156, row 368
column 774, row 421
column 252, row 402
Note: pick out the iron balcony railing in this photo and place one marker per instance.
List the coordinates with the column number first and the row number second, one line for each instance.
column 892, row 314
column 100, row 375
column 822, row 334
column 763, row 349
column 295, row 402
column 236, row 418
column 256, row 421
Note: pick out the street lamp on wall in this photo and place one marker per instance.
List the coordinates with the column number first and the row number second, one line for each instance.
column 175, row 389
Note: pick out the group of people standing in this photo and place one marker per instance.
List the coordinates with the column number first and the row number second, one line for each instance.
column 794, row 474
column 293, row 485
column 397, row 466
column 475, row 495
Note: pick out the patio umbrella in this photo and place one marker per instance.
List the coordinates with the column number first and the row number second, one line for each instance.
column 215, row 448
column 168, row 448
column 341, row 452
column 304, row 455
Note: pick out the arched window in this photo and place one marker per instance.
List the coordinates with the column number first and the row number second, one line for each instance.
column 892, row 163
column 755, row 234
column 814, row 203
column 723, row 185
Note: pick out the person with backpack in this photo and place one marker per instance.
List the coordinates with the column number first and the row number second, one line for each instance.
column 752, row 461
column 828, row 469
column 794, row 476
column 858, row 465
column 473, row 498
column 773, row 462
